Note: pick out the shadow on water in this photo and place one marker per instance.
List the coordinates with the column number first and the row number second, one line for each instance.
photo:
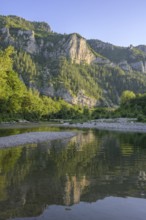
column 85, row 177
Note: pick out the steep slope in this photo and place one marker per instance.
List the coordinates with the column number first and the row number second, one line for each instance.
column 37, row 38
column 85, row 72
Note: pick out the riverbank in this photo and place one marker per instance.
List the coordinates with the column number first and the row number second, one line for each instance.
column 119, row 124
column 33, row 137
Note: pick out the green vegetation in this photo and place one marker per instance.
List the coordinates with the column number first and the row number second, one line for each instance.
column 117, row 54
column 133, row 107
column 127, row 96
column 16, row 101
column 19, row 102
column 76, row 77
column 25, row 66
column 16, row 22
column 41, row 62
column 104, row 83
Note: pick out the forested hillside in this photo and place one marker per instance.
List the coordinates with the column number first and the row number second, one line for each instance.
column 19, row 102
column 44, row 66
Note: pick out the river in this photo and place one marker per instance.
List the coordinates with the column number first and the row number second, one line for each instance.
column 96, row 175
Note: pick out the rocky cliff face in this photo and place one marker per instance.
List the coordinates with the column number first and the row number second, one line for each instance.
column 77, row 50
column 23, row 39
column 80, row 99
column 136, row 66
column 73, row 46
column 139, row 66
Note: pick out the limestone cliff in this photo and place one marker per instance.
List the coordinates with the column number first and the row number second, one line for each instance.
column 77, row 50
column 72, row 46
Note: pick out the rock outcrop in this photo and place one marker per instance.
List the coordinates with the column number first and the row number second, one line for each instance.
column 127, row 58
column 80, row 99
column 73, row 46
column 26, row 40
column 139, row 66
column 77, row 50
column 124, row 66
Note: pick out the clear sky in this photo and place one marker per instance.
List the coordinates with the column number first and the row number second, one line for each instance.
column 120, row 22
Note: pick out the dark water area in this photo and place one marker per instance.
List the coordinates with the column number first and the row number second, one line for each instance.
column 27, row 128
column 97, row 175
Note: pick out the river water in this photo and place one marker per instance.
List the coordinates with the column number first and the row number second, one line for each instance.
column 97, row 175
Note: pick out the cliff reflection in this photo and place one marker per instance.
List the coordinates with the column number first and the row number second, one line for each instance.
column 73, row 189
column 88, row 167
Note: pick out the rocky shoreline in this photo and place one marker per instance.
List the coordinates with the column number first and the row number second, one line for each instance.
column 33, row 137
column 120, row 124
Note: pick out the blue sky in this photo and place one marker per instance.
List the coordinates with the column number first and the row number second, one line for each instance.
column 120, row 22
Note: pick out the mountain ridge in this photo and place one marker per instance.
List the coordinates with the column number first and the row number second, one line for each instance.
column 85, row 72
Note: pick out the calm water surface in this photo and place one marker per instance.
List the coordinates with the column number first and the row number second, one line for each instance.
column 97, row 175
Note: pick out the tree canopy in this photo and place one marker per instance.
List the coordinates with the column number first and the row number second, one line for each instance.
column 127, row 95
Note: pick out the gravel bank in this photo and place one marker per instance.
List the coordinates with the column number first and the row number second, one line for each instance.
column 33, row 137
column 120, row 124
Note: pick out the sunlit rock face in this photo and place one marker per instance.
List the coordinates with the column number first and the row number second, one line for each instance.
column 77, row 50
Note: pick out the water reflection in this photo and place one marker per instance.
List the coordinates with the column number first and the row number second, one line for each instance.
column 27, row 128
column 94, row 165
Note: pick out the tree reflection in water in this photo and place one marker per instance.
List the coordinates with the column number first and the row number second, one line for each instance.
column 89, row 167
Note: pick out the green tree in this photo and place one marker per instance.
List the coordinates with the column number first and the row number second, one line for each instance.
column 127, row 95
